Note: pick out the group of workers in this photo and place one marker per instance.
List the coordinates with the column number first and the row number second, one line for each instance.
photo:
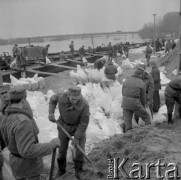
column 19, row 131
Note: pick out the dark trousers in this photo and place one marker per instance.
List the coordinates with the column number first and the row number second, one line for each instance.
column 136, row 116
column 64, row 146
column 156, row 101
column 128, row 115
column 170, row 103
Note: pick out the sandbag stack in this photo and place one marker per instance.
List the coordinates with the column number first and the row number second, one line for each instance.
column 31, row 84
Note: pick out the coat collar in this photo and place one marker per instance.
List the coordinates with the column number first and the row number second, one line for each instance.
column 10, row 110
column 65, row 100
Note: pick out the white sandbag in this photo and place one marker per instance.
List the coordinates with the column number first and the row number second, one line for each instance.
column 115, row 89
column 158, row 118
column 127, row 64
column 164, row 79
column 116, row 110
column 41, row 82
column 13, row 64
column 84, row 60
column 119, row 73
column 34, row 85
column 48, row 60
column 26, row 84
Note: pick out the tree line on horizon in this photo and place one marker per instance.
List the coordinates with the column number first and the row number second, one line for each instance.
column 165, row 27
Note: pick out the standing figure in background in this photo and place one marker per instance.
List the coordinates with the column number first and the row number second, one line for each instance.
column 110, row 51
column 157, row 85
column 173, row 95
column 126, row 50
column 19, row 54
column 158, row 45
column 148, row 54
column 168, row 46
column 99, row 63
column 71, row 47
column 134, row 98
column 110, row 70
column 82, row 52
column 44, row 52
column 148, row 80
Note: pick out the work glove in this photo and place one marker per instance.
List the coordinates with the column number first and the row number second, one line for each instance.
column 55, row 143
column 51, row 117
column 75, row 142
column 147, row 104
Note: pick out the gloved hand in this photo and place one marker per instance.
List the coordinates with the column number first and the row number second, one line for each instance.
column 51, row 117
column 75, row 141
column 147, row 104
column 55, row 143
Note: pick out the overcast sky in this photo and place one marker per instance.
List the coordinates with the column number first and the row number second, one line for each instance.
column 28, row 18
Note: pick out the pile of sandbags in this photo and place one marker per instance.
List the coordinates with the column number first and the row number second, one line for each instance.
column 30, row 84
column 126, row 64
column 83, row 76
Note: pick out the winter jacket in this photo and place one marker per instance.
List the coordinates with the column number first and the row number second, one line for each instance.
column 44, row 51
column 148, row 80
column 20, row 134
column 173, row 88
column 148, row 51
column 82, row 51
column 75, row 118
column 134, row 93
column 98, row 64
column 156, row 78
column 110, row 71
column 17, row 51
column 71, row 46
column 110, row 49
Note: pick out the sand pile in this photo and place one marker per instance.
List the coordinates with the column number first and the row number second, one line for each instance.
column 141, row 145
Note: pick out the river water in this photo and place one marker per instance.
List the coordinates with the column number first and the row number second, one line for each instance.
column 58, row 46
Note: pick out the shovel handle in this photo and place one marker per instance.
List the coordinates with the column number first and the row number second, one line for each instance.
column 70, row 137
column 52, row 164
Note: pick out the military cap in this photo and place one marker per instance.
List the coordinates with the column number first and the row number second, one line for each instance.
column 141, row 67
column 17, row 95
column 4, row 88
column 75, row 91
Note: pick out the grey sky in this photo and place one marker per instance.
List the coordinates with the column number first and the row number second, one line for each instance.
column 27, row 18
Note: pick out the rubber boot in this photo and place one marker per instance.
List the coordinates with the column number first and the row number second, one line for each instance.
column 61, row 168
column 170, row 121
column 78, row 168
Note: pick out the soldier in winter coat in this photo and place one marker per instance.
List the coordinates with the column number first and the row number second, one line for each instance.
column 110, row 70
column 44, row 52
column 71, row 47
column 172, row 95
column 74, row 117
column 157, row 85
column 148, row 54
column 20, row 134
column 134, row 99
column 148, row 80
column 110, row 51
column 99, row 64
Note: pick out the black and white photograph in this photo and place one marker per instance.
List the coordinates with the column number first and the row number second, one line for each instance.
column 90, row 89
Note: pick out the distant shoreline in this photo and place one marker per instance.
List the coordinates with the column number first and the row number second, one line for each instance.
column 57, row 38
